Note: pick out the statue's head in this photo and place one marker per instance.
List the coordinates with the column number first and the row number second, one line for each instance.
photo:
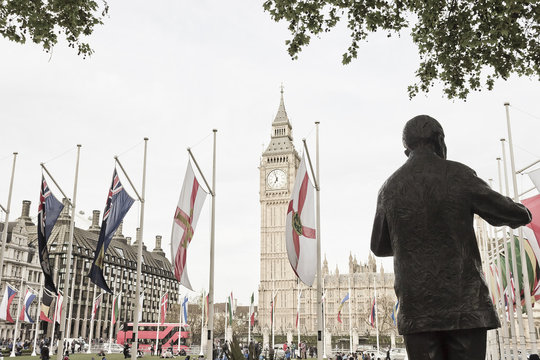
column 424, row 132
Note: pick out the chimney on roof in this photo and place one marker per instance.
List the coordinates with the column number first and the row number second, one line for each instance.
column 158, row 250
column 118, row 233
column 95, row 228
column 25, row 213
column 128, row 240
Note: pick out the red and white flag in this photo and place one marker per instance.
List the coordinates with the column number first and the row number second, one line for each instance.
column 300, row 228
column 186, row 216
column 97, row 301
column 163, row 304
column 58, row 308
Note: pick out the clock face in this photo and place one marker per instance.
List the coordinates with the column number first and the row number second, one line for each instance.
column 276, row 179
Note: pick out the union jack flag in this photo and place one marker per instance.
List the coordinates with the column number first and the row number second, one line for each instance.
column 117, row 205
column 48, row 211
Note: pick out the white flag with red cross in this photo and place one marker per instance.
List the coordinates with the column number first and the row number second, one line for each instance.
column 186, row 216
column 300, row 227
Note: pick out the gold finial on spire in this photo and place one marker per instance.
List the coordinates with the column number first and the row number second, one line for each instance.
column 282, row 88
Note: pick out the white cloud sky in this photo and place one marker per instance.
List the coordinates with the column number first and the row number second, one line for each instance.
column 173, row 71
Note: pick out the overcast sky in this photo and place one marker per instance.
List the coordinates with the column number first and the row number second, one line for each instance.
column 174, row 70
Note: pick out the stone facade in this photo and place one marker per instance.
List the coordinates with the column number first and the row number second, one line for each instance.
column 21, row 262
column 120, row 274
column 276, row 273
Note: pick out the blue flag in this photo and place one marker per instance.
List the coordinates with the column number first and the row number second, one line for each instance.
column 118, row 204
column 394, row 312
column 184, row 305
column 48, row 211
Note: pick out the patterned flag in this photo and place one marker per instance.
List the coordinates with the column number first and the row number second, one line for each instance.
column 118, row 204
column 116, row 308
column 184, row 306
column 28, row 298
column 97, row 302
column 46, row 301
column 252, row 309
column 341, row 307
column 300, row 228
column 48, row 211
column 58, row 308
column 395, row 310
column 187, row 213
column 372, row 315
column 5, row 305
column 163, row 304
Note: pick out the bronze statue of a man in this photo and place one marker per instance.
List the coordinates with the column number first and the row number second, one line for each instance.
column 424, row 219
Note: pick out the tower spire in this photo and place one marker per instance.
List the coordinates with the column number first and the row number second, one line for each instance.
column 281, row 116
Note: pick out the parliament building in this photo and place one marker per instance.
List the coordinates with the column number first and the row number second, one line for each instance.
column 280, row 161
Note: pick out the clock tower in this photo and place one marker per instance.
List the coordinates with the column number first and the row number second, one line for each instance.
column 279, row 163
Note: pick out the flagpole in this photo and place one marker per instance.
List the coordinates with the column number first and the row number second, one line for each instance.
column 111, row 324
column 18, row 314
column 179, row 319
column 54, row 321
column 63, row 311
column 135, row 346
column 298, row 309
column 92, row 317
column 325, row 356
column 6, row 220
column 249, row 323
column 210, row 336
column 37, row 316
column 70, row 313
column 159, row 312
column 526, row 287
column 320, row 333
column 513, row 342
column 376, row 316
column 273, row 313
column 350, row 318
column 517, row 286
column 201, row 353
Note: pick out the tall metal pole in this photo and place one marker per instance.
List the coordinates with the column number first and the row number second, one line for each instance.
column 376, row 316
column 210, row 335
column 517, row 292
column 512, row 339
column 159, row 313
column 6, row 221
column 70, row 313
column 135, row 346
column 201, row 353
column 92, row 318
column 15, row 335
column 320, row 332
column 350, row 318
column 63, row 312
column 37, row 317
column 298, row 309
column 526, row 286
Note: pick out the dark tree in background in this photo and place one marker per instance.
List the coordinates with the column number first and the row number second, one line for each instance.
column 44, row 21
column 465, row 44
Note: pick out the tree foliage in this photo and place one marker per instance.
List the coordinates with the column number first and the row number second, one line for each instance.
column 44, row 21
column 465, row 44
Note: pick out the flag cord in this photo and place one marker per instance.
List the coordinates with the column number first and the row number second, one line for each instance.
column 525, row 112
column 131, row 148
column 200, row 141
column 60, row 155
